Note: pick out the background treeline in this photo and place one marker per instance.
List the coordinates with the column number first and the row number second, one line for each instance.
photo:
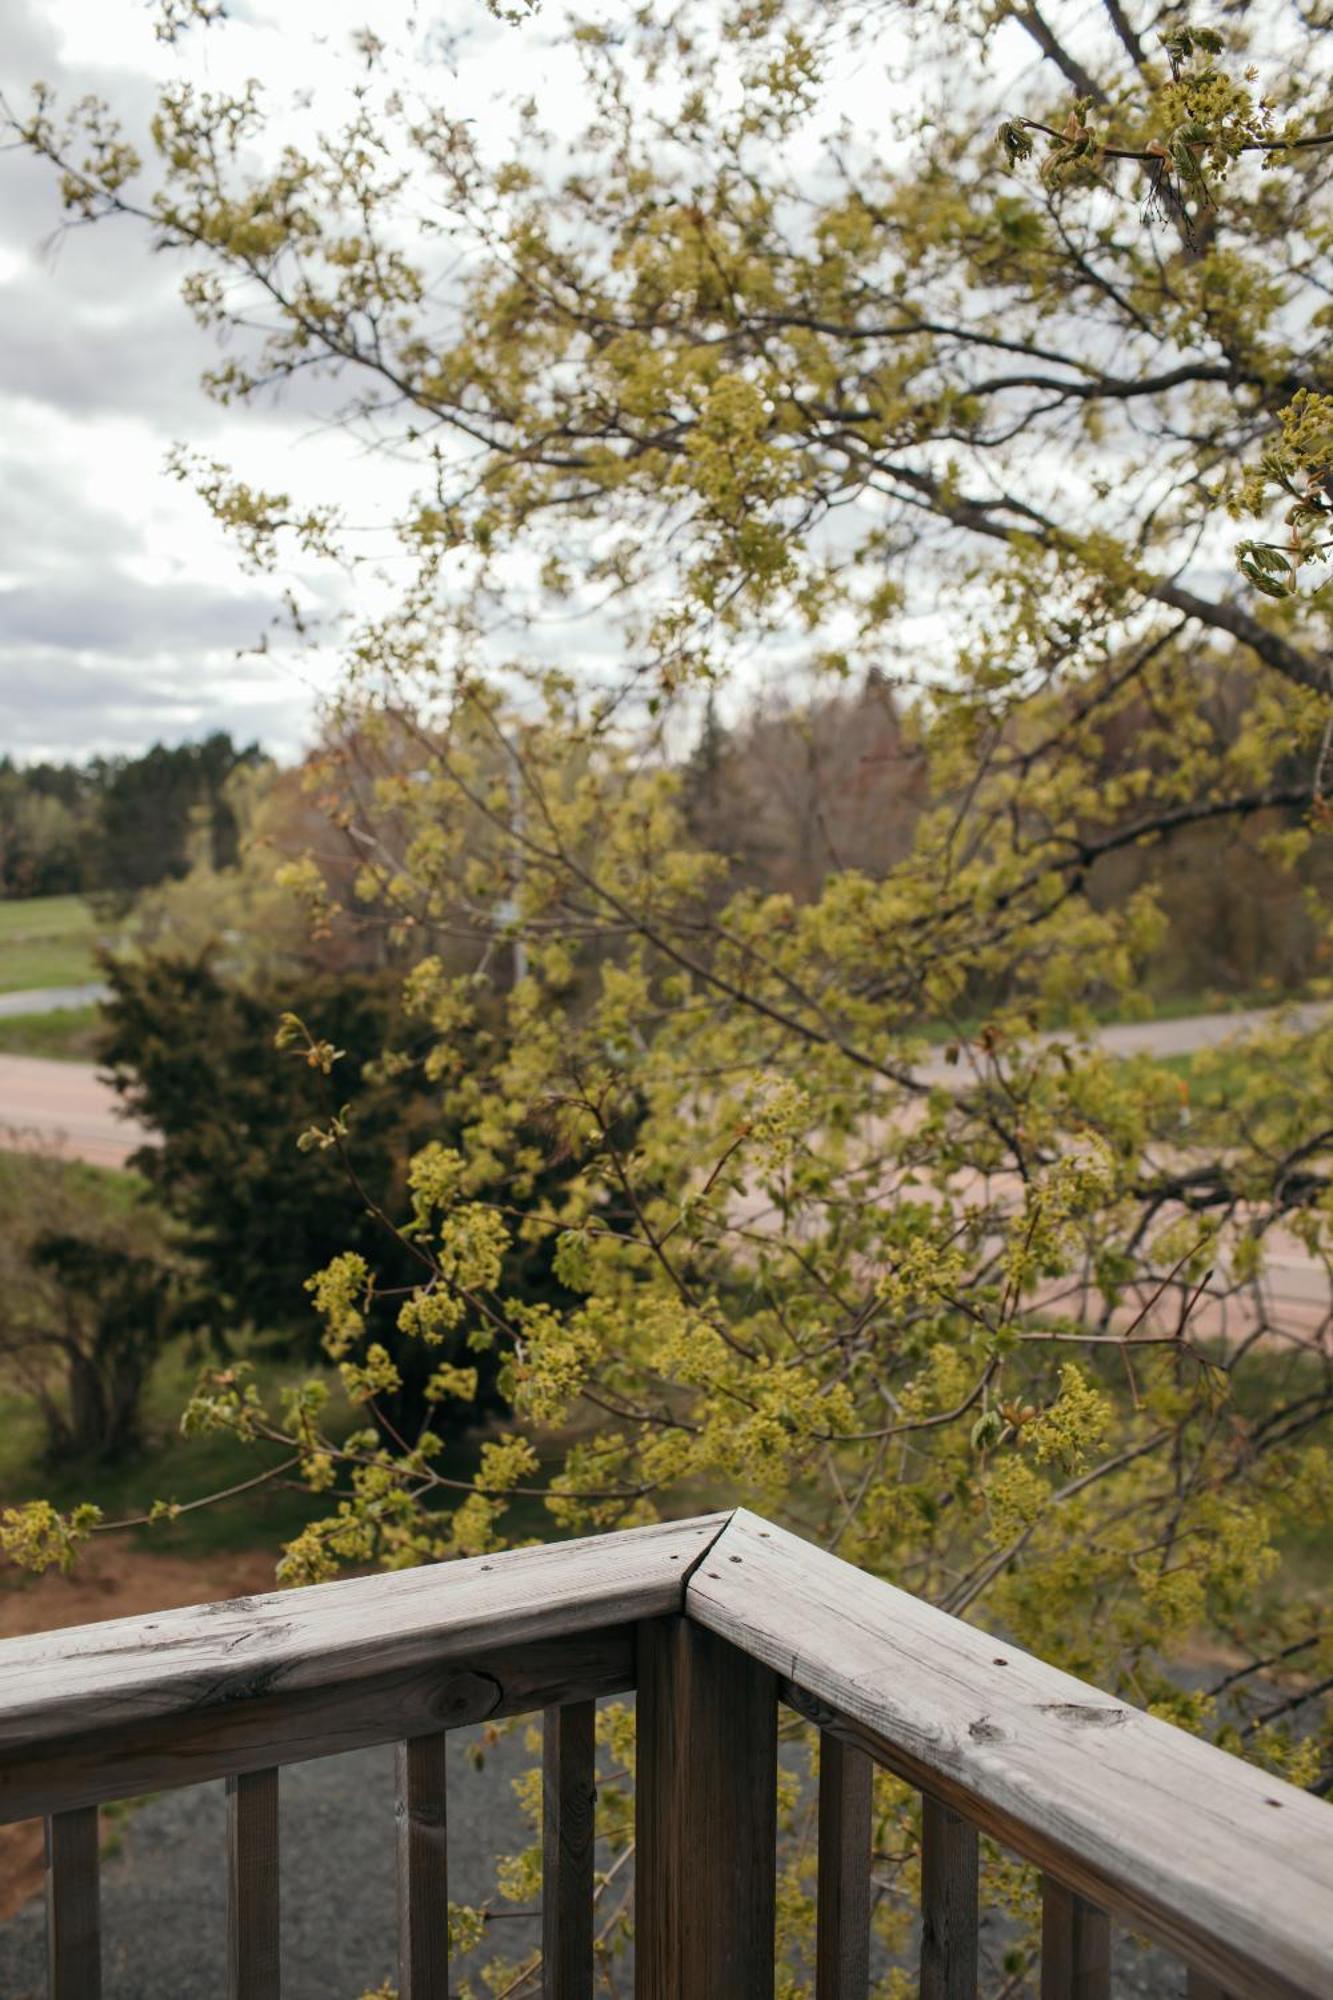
column 795, row 792
column 115, row 825
column 790, row 791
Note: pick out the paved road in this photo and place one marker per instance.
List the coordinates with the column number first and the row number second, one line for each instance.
column 66, row 1108
column 70, row 1109
column 70, row 1106
column 1200, row 1031
column 49, row 999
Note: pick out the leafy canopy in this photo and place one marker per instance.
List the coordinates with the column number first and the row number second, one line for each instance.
column 762, row 382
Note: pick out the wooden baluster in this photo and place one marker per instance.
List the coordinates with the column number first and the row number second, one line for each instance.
column 949, row 1872
column 842, row 1948
column 73, row 1924
column 1075, row 1946
column 569, row 1811
column 253, row 1947
column 423, row 1870
column 705, row 1869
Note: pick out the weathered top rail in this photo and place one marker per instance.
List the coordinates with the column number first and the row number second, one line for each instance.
column 104, row 1711
column 1230, row 1867
column 711, row 1620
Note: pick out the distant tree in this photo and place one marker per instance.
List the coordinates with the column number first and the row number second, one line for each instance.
column 117, row 825
column 798, row 790
column 45, row 814
column 92, row 1286
column 1241, row 899
column 159, row 813
column 194, row 1053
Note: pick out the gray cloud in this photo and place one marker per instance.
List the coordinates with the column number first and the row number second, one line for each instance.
column 76, row 686
column 47, row 526
column 98, row 355
column 31, row 45
column 55, row 704
column 93, row 317
column 117, row 615
column 86, row 344
column 91, row 659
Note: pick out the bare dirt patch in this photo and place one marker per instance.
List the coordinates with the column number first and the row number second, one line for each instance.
column 111, row 1581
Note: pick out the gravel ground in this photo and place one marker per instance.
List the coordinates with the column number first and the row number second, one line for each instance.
column 164, row 1893
column 164, row 1889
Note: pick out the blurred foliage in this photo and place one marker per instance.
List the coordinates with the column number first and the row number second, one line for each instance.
column 241, row 1156
column 115, row 825
column 92, row 1287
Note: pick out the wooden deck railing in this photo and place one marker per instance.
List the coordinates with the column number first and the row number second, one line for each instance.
column 713, row 1622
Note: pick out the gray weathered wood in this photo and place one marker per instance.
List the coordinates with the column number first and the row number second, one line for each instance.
column 1228, row 1867
column 126, row 1671
column 123, row 1761
column 423, row 1869
column 842, row 1936
column 1075, row 1946
column 948, row 1903
column 569, row 1813
column 73, row 1922
column 705, row 1818
column 253, row 1961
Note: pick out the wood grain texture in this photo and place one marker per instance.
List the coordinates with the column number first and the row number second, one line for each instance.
column 132, row 1670
column 949, row 1874
column 1225, row 1865
column 73, row 1917
column 253, row 1944
column 126, row 1759
column 423, row 1869
column 569, row 1814
column 705, row 1818
column 1200, row 1987
column 1075, row 1946
column 842, row 1930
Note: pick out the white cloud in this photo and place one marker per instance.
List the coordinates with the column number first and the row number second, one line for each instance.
column 121, row 604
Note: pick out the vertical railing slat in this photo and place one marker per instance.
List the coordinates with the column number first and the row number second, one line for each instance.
column 705, row 1854
column 949, row 1875
column 842, row 1946
column 1075, row 1946
column 569, row 1813
column 73, row 1919
column 253, row 1946
column 423, row 1869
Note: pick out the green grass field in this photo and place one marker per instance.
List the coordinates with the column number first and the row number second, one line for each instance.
column 46, row 941
column 170, row 1467
column 69, row 1034
column 1229, row 1073
column 1168, row 1007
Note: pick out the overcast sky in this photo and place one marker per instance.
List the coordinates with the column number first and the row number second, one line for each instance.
column 123, row 617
